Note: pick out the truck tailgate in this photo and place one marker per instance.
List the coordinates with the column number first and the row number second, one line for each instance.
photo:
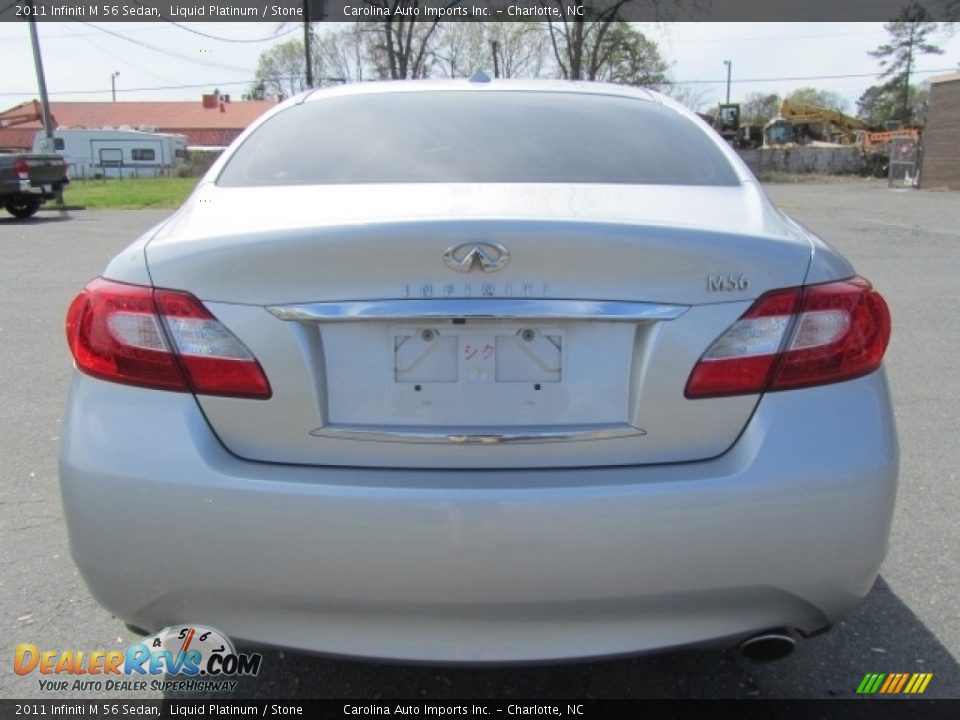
column 45, row 169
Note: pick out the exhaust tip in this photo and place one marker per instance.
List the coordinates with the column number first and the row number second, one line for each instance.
column 768, row 646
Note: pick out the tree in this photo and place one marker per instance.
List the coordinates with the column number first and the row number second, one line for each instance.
column 281, row 70
column 601, row 45
column 338, row 55
column 627, row 57
column 461, row 48
column 692, row 96
column 400, row 46
column 578, row 44
column 879, row 105
column 821, row 98
column 876, row 106
column 759, row 108
column 521, row 47
column 909, row 38
column 343, row 54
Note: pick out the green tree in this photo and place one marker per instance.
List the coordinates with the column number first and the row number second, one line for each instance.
column 628, row 57
column 875, row 106
column 759, row 108
column 879, row 105
column 582, row 45
column 282, row 70
column 821, row 98
column 909, row 38
column 340, row 54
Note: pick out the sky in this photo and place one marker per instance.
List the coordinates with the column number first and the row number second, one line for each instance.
column 79, row 58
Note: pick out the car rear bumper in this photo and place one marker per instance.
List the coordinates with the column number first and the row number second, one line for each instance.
column 788, row 528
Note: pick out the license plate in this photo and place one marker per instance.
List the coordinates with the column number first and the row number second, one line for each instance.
column 499, row 354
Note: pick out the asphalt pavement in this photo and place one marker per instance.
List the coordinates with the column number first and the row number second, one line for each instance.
column 906, row 242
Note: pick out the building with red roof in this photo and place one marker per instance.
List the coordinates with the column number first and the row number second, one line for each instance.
column 214, row 121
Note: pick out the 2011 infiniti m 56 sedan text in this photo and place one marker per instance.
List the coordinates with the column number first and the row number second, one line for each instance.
column 480, row 371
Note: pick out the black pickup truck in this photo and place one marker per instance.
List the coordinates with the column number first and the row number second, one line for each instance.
column 27, row 180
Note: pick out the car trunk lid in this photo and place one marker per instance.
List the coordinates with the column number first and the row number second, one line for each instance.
column 573, row 352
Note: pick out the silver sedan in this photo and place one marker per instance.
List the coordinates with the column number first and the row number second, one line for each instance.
column 480, row 371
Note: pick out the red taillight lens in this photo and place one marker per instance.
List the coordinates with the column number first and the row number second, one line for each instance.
column 21, row 168
column 797, row 338
column 160, row 339
column 842, row 332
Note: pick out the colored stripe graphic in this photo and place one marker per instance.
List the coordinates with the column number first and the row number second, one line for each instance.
column 922, row 683
column 870, row 683
column 903, row 681
column 894, row 683
column 891, row 681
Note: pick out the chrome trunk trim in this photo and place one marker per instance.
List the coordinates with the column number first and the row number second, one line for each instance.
column 478, row 436
column 475, row 308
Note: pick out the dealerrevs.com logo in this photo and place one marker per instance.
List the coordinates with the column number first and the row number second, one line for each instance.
column 198, row 657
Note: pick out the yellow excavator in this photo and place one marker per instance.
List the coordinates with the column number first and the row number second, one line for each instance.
column 801, row 124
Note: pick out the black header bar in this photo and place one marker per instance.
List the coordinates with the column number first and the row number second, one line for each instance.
column 276, row 11
column 571, row 709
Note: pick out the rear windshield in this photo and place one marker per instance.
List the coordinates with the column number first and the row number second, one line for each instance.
column 477, row 137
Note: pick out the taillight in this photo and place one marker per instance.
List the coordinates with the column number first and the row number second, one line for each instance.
column 162, row 339
column 21, row 168
column 797, row 337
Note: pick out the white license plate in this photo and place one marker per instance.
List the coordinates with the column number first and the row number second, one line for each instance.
column 492, row 354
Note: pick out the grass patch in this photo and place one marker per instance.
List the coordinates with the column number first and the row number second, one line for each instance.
column 129, row 193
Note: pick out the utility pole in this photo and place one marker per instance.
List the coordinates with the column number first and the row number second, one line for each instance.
column 494, row 45
column 42, row 86
column 113, row 84
column 41, row 80
column 306, row 41
column 729, row 66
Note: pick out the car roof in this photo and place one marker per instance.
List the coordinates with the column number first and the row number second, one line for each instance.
column 581, row 87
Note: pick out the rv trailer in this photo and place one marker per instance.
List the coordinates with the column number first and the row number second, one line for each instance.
column 110, row 152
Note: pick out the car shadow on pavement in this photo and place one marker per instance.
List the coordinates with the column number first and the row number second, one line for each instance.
column 881, row 636
column 36, row 219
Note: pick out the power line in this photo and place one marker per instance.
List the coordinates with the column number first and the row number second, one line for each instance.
column 109, row 54
column 157, row 87
column 798, row 78
column 168, row 53
column 217, row 37
column 231, row 40
column 672, row 82
column 760, row 38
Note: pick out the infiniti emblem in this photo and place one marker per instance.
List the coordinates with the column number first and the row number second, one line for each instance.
column 488, row 255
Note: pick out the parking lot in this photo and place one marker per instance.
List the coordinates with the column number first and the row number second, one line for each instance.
column 906, row 242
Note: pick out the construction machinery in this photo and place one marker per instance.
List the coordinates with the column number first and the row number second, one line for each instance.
column 878, row 148
column 874, row 141
column 727, row 123
column 802, row 123
column 22, row 113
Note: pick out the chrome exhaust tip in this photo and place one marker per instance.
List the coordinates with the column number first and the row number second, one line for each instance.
column 767, row 646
